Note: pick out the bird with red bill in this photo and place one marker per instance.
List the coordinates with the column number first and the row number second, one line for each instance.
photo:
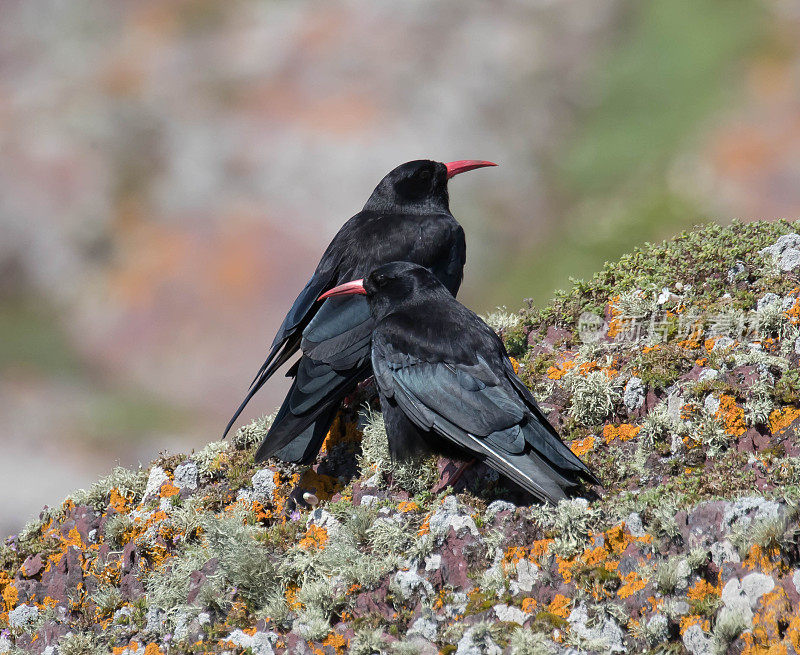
column 445, row 382
column 407, row 217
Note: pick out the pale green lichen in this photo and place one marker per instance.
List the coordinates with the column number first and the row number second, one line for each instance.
column 500, row 319
column 368, row 641
column 253, row 433
column 524, row 641
column 709, row 431
column 636, row 304
column 312, row 624
column 569, row 522
column 759, row 405
column 80, row 643
column 414, row 475
column 594, row 395
column 209, row 458
column 116, row 527
column 107, row 598
column 670, row 573
column 729, row 624
column 765, row 532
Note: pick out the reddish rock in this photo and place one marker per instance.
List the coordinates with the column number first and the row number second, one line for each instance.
column 32, row 566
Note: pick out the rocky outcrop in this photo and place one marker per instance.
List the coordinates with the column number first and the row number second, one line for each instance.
column 673, row 372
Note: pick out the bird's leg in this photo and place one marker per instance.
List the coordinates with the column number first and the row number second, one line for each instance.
column 451, row 480
column 349, row 400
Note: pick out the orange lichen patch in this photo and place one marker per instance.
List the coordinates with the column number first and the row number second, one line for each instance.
column 323, row 486
column 560, row 370
column 780, row 419
column 425, row 528
column 529, row 605
column 533, row 553
column 168, row 490
column 615, row 327
column 688, row 411
column 731, row 415
column 336, row 641
column 693, row 342
column 514, row 364
column 512, row 556
column 702, row 589
column 775, row 626
column 291, row 598
column 793, row 313
column 764, row 560
column 623, row 432
column 582, row 446
column 153, row 649
column 10, row 596
column 539, row 549
column 47, row 601
column 702, row 361
column 588, row 367
column 407, row 506
column 708, row 344
column 440, row 599
column 73, row 538
column 565, row 567
column 560, row 606
column 315, row 538
column 341, row 432
column 594, row 556
column 117, row 501
column 694, row 619
column 648, row 349
column 631, row 583
column 618, row 539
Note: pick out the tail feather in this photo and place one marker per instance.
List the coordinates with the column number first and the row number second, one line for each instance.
column 306, row 418
column 532, row 472
column 305, row 446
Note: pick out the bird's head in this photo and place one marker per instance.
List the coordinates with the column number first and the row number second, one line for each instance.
column 391, row 285
column 418, row 186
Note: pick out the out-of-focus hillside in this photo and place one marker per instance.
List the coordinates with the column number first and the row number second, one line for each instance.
column 171, row 171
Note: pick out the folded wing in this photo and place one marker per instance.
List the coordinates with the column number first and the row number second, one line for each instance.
column 483, row 412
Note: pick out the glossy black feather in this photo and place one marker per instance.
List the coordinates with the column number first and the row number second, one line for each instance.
column 449, row 374
column 334, row 336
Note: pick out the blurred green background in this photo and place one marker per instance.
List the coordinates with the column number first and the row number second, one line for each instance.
column 172, row 171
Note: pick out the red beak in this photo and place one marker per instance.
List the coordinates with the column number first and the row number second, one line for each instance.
column 464, row 165
column 346, row 289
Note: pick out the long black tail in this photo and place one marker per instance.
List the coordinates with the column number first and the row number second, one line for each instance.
column 309, row 410
column 305, row 446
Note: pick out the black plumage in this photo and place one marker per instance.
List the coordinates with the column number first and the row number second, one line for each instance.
column 445, row 380
column 407, row 217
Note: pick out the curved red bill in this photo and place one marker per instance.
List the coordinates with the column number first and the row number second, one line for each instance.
column 464, row 165
column 346, row 289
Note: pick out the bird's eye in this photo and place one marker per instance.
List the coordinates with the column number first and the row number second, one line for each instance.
column 424, row 174
column 380, row 280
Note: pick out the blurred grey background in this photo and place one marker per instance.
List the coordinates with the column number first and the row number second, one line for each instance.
column 171, row 170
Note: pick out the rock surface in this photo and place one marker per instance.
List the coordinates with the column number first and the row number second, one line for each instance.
column 686, row 404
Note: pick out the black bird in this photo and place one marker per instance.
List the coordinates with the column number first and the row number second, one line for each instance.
column 445, row 379
column 407, row 218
